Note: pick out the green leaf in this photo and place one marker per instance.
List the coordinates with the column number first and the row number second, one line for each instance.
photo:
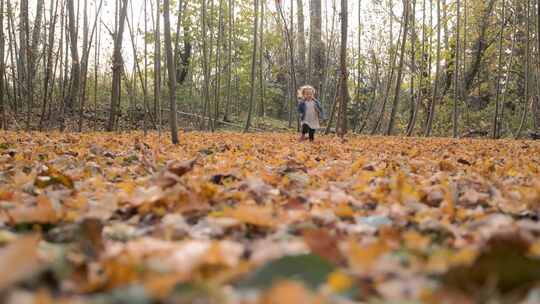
column 133, row 294
column 310, row 269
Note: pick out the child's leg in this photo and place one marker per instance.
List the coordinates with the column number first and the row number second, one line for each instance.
column 311, row 134
column 305, row 129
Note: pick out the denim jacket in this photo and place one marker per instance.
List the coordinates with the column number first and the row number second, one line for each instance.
column 302, row 109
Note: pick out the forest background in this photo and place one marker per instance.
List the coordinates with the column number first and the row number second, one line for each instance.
column 411, row 67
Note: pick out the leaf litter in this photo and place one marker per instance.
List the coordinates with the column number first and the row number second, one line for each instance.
column 259, row 218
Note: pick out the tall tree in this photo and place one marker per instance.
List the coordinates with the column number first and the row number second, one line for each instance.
column 435, row 96
column 48, row 62
column 3, row 123
column 117, row 66
column 344, row 90
column 316, row 47
column 456, row 71
column 261, row 64
column 32, row 59
column 171, row 71
column 217, row 87
column 526, row 71
column 495, row 130
column 392, row 53
column 229, row 59
column 292, row 67
column 400, row 68
column 73, row 95
column 23, row 64
column 304, row 69
column 157, row 67
column 205, row 65
column 253, row 65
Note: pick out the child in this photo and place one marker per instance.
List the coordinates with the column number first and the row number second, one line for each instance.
column 310, row 111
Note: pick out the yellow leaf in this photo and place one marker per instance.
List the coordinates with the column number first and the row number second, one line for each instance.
column 252, row 214
column 339, row 281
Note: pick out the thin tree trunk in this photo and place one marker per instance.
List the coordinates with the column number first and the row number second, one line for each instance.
column 145, row 83
column 437, row 74
column 72, row 98
column 205, row 66
column 229, row 60
column 499, row 73
column 420, row 90
column 344, row 90
column 84, row 65
column 217, row 87
column 253, row 65
column 331, row 39
column 414, row 68
column 261, row 64
column 526, row 73
column 316, row 48
column 400, row 68
column 24, row 32
column 3, row 123
column 334, row 105
column 171, row 70
column 157, row 69
column 117, row 68
column 304, row 70
column 49, row 63
column 96, row 68
column 292, row 67
column 456, row 73
column 390, row 79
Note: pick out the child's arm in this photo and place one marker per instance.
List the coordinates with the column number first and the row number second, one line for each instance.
column 300, row 106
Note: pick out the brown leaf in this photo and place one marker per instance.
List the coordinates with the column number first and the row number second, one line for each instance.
column 41, row 212
column 91, row 240
column 322, row 243
column 445, row 165
column 180, row 168
column 19, row 260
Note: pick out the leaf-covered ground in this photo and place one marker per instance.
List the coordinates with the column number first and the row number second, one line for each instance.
column 232, row 218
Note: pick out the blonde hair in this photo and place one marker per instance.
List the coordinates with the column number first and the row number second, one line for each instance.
column 300, row 92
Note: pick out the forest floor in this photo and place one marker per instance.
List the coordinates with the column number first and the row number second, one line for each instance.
column 261, row 218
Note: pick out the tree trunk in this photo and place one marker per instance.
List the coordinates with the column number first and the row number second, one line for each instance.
column 205, row 66
column 495, row 126
column 253, row 65
column 24, row 32
column 229, row 60
column 49, row 63
column 157, row 68
column 96, row 67
column 390, row 78
column 437, row 74
column 217, row 87
column 117, row 68
column 171, row 70
column 3, row 123
column 456, row 73
column 292, row 68
column 526, row 73
column 344, row 90
column 480, row 48
column 316, row 48
column 261, row 64
column 304, row 69
column 73, row 95
column 400, row 68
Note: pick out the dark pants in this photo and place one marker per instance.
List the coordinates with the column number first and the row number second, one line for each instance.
column 307, row 129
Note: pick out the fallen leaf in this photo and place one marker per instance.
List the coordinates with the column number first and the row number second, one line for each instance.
column 19, row 260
